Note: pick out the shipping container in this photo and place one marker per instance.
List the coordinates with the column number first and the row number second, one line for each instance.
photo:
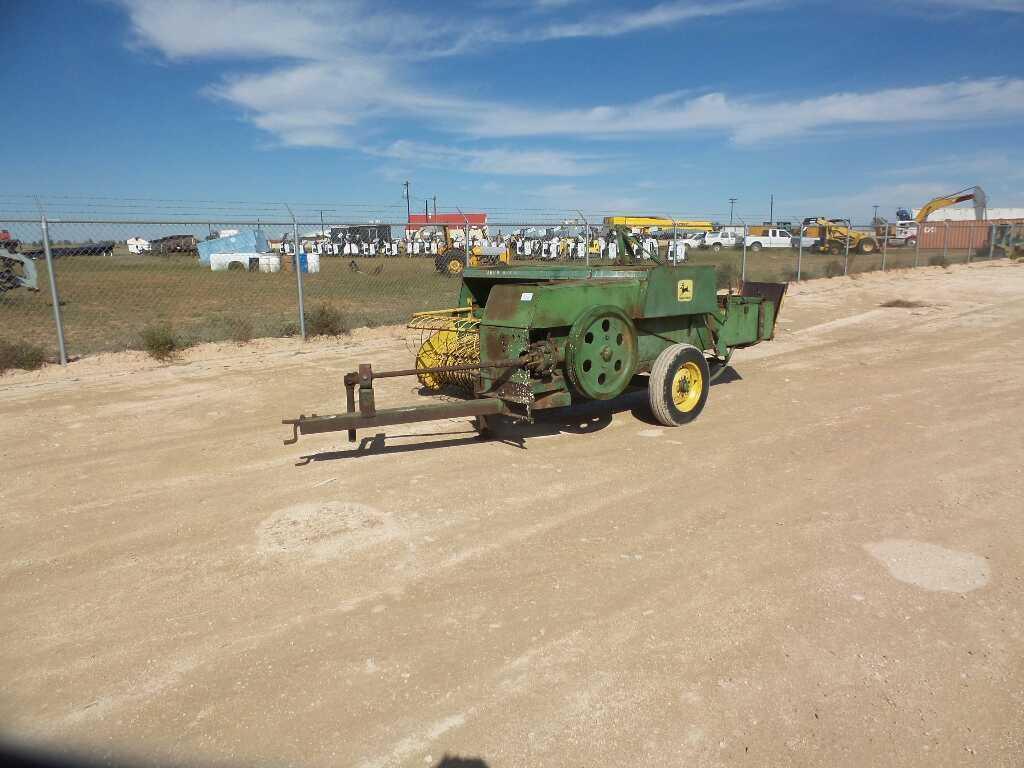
column 958, row 235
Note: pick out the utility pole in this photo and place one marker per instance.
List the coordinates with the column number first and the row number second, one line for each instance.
column 426, row 210
column 322, row 231
column 876, row 213
column 771, row 210
column 435, row 206
column 732, row 202
column 408, row 211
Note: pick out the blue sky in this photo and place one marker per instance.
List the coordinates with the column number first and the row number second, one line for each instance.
column 666, row 107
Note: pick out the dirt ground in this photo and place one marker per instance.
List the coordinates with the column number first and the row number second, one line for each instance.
column 826, row 568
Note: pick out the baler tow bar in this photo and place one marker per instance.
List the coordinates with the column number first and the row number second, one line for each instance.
column 368, row 416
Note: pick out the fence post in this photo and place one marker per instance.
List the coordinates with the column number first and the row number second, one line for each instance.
column 743, row 266
column 991, row 240
column 58, row 317
column 917, row 242
column 945, row 241
column 846, row 257
column 885, row 243
column 298, row 279
column 800, row 254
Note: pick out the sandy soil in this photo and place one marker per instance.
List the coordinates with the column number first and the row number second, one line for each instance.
column 827, row 568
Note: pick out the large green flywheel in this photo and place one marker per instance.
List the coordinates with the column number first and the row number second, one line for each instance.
column 602, row 352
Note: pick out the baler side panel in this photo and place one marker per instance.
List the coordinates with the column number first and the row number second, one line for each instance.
column 672, row 291
column 557, row 304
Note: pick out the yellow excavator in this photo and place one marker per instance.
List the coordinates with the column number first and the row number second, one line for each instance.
column 905, row 228
column 977, row 194
column 451, row 258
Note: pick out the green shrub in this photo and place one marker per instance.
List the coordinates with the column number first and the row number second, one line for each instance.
column 20, row 354
column 938, row 260
column 160, row 342
column 289, row 328
column 326, row 320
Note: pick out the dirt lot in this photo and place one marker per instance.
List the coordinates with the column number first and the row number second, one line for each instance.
column 827, row 568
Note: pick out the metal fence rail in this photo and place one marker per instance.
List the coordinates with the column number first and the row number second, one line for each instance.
column 104, row 283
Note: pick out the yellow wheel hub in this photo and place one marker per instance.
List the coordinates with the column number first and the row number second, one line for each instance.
column 455, row 266
column 687, row 386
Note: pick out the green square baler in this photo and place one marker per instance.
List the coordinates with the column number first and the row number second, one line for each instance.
column 525, row 338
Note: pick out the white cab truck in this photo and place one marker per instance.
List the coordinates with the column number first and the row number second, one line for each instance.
column 720, row 239
column 774, row 238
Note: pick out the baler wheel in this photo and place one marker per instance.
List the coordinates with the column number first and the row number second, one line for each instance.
column 678, row 387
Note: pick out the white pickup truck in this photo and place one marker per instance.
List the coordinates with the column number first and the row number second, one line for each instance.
column 775, row 238
column 716, row 241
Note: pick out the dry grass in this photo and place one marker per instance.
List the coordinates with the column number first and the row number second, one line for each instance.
column 21, row 355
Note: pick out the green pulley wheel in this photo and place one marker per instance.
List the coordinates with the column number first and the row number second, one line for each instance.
column 602, row 352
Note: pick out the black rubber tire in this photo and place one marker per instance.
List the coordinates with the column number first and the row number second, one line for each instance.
column 755, row 247
column 716, row 247
column 441, row 262
column 867, row 245
column 659, row 387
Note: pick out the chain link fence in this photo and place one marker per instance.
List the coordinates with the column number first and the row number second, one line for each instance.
column 103, row 285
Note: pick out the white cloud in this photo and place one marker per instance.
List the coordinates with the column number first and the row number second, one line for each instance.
column 623, row 21
column 593, row 201
column 509, row 162
column 972, row 6
column 987, row 162
column 342, row 73
column 749, row 120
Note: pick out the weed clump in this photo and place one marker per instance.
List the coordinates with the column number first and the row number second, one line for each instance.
column 160, row 342
column 21, row 355
column 326, row 320
column 938, row 260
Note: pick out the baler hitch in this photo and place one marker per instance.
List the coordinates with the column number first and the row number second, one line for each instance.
column 368, row 415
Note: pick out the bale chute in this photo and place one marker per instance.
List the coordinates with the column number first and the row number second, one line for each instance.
column 447, row 337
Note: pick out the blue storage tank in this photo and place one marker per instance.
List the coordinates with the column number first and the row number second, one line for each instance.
column 246, row 241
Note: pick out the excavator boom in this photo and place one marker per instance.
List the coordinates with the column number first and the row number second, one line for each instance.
column 977, row 194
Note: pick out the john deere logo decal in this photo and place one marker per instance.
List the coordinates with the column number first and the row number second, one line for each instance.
column 684, row 290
